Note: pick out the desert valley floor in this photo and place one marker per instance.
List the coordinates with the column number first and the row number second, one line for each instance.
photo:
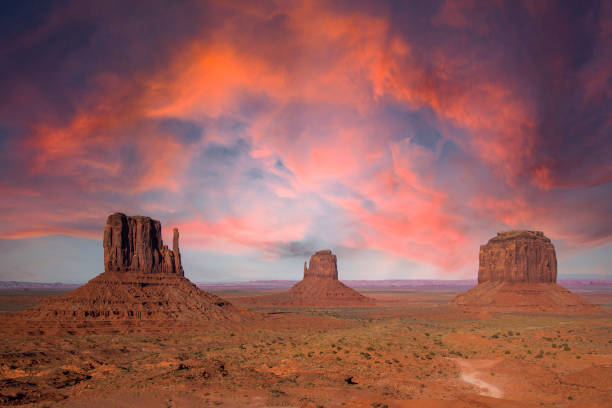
column 413, row 348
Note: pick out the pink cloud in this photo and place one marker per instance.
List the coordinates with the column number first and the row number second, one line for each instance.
column 231, row 234
column 316, row 134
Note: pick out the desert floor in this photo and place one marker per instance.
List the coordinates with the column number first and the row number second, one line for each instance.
column 413, row 349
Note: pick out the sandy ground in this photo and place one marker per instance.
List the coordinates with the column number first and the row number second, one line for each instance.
column 475, row 372
column 412, row 349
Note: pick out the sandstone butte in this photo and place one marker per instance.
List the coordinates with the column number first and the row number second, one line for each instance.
column 518, row 271
column 321, row 287
column 143, row 281
column 135, row 244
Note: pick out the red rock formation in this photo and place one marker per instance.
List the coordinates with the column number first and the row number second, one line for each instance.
column 518, row 256
column 135, row 243
column 518, row 272
column 321, row 287
column 323, row 264
column 143, row 281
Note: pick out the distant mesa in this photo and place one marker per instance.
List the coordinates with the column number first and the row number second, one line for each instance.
column 518, row 256
column 143, row 281
column 518, row 271
column 321, row 287
column 323, row 264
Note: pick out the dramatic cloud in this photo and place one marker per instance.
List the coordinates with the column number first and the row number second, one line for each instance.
column 400, row 134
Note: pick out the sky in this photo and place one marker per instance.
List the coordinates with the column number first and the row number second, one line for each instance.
column 401, row 135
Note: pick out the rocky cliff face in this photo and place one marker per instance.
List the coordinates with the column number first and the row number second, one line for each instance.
column 134, row 244
column 518, row 256
column 323, row 264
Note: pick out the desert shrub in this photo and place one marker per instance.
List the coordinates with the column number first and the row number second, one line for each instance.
column 366, row 355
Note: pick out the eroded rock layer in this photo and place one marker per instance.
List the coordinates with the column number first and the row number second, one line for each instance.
column 523, row 297
column 117, row 296
column 518, row 256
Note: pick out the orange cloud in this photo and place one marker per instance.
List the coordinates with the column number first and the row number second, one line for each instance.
column 88, row 149
column 306, row 84
column 358, row 64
